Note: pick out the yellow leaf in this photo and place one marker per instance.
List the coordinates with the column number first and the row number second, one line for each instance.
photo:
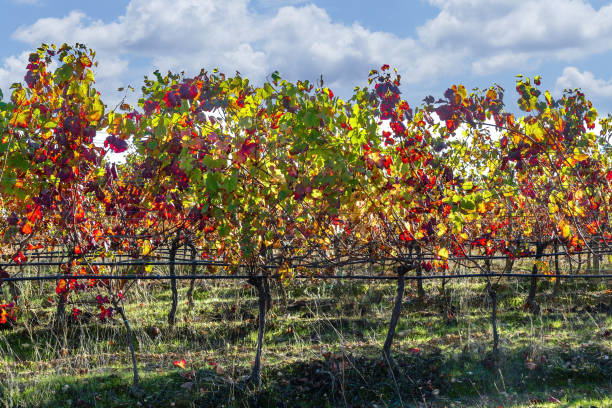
column 146, row 247
column 581, row 157
column 535, row 131
column 565, row 231
column 462, row 91
column 548, row 98
column 443, row 253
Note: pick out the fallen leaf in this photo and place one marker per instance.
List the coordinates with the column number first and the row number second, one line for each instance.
column 530, row 365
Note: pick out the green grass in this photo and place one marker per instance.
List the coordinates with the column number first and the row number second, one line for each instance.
column 322, row 348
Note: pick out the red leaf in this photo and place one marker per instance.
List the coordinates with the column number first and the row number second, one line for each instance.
column 61, row 287
column 182, row 363
column 20, row 258
column 36, row 214
column 115, row 144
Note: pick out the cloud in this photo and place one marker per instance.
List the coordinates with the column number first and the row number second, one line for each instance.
column 593, row 87
column 279, row 3
column 12, row 70
column 493, row 31
column 301, row 40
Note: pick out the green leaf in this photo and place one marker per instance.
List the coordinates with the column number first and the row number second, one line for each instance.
column 212, row 182
column 311, row 119
column 245, row 122
column 468, row 185
column 231, row 183
column 63, row 73
column 159, row 77
column 284, row 193
column 467, row 204
column 186, row 164
column 196, row 175
column 129, row 126
column 18, row 161
column 268, row 88
column 152, row 144
column 224, row 230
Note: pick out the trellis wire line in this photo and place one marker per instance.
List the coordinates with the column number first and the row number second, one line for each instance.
column 314, row 264
column 608, row 274
column 595, row 252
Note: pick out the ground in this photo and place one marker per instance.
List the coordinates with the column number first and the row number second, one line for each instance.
column 322, row 348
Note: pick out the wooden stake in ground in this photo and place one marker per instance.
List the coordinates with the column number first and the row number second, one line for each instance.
column 531, row 303
column 492, row 293
column 260, row 285
column 397, row 308
column 557, row 270
column 118, row 305
column 172, row 314
column 193, row 272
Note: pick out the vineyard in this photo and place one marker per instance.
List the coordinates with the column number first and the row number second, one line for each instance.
column 276, row 245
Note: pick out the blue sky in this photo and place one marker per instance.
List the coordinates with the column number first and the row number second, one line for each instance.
column 433, row 43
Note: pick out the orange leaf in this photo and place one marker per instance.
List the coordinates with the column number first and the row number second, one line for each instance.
column 182, row 364
column 26, row 229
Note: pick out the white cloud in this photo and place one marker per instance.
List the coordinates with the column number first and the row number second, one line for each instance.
column 302, row 41
column 280, row 3
column 594, row 87
column 492, row 31
column 12, row 70
column 486, row 65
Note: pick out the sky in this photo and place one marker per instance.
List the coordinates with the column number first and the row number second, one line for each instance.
column 432, row 43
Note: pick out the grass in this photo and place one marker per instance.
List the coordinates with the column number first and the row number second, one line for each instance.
column 322, row 348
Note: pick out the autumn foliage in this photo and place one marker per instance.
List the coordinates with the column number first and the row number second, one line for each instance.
column 288, row 173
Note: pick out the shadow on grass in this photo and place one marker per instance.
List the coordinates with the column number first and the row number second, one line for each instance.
column 337, row 379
